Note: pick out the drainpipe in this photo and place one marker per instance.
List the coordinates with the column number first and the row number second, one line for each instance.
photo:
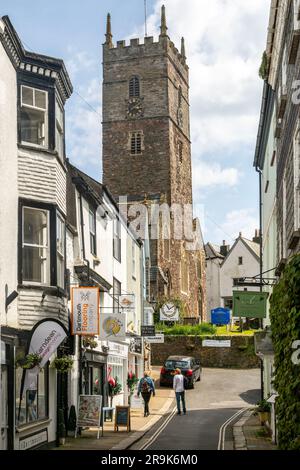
column 259, row 171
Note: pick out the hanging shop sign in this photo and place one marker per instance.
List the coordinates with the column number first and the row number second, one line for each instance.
column 113, row 326
column 148, row 330
column 136, row 345
column 169, row 312
column 126, row 302
column 220, row 316
column 85, row 311
column 250, row 304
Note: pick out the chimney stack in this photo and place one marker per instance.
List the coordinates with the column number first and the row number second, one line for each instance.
column 224, row 249
column 256, row 237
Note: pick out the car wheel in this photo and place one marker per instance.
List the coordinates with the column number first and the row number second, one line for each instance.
column 192, row 386
column 199, row 378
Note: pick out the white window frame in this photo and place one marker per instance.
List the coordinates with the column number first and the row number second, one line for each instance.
column 60, row 256
column 92, row 230
column 59, row 129
column 45, row 111
column 43, row 247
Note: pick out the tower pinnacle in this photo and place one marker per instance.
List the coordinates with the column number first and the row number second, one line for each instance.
column 183, row 49
column 108, row 34
column 163, row 26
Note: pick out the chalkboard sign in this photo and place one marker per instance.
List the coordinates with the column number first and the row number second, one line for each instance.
column 122, row 417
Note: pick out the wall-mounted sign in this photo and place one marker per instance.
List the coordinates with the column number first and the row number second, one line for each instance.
column 250, row 304
column 136, row 345
column 212, row 343
column 117, row 349
column 148, row 330
column 85, row 311
column 113, row 326
column 126, row 302
column 220, row 316
column 122, row 417
column 169, row 312
column 34, row 440
column 158, row 338
column 148, row 316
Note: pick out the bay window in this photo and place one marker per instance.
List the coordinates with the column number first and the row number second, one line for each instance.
column 34, row 116
column 42, row 239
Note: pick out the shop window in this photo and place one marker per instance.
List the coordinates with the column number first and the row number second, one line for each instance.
column 34, row 403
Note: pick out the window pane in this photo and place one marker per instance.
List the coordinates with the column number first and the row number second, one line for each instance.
column 33, row 126
column 27, row 95
column 40, row 99
column 35, row 227
column 31, row 405
column 36, row 264
column 60, row 236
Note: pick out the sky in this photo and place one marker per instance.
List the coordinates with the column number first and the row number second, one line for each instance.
column 224, row 40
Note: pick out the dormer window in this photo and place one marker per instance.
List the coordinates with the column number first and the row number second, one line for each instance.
column 34, row 118
column 134, row 87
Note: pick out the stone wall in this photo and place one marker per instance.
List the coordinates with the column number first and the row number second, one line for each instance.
column 241, row 354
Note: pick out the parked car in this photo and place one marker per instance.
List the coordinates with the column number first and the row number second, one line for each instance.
column 189, row 366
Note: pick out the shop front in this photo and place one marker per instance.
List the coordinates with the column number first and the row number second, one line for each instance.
column 94, row 375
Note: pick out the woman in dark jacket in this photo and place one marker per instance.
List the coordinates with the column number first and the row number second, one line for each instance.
column 145, row 388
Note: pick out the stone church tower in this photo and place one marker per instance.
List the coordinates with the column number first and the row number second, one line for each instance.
column 147, row 149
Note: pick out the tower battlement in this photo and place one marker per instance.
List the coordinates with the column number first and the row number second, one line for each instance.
column 135, row 48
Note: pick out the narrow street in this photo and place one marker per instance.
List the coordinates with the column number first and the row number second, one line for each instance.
column 220, row 395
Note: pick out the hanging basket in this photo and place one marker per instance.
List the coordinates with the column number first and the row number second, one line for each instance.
column 63, row 364
column 30, row 361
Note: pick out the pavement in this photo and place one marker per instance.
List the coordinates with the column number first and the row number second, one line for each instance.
column 160, row 406
column 249, row 434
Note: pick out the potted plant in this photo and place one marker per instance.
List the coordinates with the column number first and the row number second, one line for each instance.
column 29, row 361
column 114, row 388
column 132, row 380
column 263, row 409
column 63, row 364
column 61, row 427
column 72, row 422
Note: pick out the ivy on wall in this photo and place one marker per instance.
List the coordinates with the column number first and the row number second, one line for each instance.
column 285, row 323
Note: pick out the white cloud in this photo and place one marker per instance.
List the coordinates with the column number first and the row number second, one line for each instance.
column 209, row 175
column 243, row 220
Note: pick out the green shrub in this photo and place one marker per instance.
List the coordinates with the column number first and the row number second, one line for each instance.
column 186, row 330
column 285, row 326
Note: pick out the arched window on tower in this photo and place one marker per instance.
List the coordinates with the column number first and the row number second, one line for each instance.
column 134, row 87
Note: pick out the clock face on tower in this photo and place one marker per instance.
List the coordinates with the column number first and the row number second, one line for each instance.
column 135, row 108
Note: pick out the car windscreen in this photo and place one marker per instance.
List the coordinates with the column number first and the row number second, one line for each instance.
column 177, row 364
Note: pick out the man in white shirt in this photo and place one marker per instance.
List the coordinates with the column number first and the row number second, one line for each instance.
column 178, row 386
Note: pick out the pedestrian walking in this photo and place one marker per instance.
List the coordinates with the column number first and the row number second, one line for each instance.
column 178, row 386
column 146, row 388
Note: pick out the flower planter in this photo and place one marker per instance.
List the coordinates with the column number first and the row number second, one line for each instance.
column 264, row 416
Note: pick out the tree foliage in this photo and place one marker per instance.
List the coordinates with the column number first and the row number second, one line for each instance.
column 285, row 323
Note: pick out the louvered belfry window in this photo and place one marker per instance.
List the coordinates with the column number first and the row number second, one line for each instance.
column 134, row 87
column 136, row 143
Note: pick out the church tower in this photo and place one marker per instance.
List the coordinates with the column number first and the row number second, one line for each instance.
column 146, row 138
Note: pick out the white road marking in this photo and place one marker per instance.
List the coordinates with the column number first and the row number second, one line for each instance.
column 159, row 430
column 222, row 431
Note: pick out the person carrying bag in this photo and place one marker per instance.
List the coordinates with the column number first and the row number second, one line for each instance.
column 146, row 388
